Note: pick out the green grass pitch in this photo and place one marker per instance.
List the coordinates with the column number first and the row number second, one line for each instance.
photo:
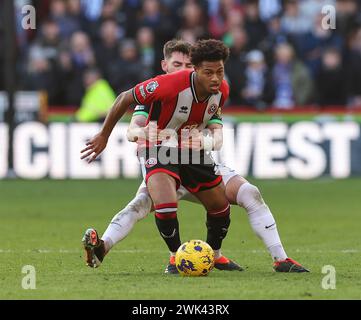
column 42, row 222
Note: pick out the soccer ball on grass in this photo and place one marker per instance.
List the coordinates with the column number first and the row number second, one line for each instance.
column 194, row 258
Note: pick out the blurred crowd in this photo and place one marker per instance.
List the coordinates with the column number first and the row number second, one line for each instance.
column 283, row 53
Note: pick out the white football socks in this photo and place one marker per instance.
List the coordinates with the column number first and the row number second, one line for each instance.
column 217, row 254
column 261, row 219
column 124, row 221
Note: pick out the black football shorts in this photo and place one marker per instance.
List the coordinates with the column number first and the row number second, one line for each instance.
column 195, row 170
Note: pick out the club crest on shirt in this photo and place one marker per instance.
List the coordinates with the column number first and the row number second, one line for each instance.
column 151, row 162
column 212, row 108
column 151, row 86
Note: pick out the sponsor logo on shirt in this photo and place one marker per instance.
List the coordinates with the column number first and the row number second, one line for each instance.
column 142, row 92
column 183, row 109
column 151, row 86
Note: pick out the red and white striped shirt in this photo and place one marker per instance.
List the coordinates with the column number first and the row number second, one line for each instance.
column 174, row 104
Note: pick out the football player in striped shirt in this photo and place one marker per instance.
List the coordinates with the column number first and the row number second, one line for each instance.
column 238, row 191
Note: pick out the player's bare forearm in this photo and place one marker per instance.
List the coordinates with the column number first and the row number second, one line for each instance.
column 120, row 106
column 97, row 144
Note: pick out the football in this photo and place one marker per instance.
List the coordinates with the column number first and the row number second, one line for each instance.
column 194, row 258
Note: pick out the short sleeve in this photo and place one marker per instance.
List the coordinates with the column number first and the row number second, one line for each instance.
column 161, row 88
column 141, row 110
column 151, row 90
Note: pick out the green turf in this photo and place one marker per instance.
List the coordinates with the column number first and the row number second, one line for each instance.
column 41, row 224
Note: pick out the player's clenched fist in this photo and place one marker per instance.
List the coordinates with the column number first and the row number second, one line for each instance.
column 192, row 139
column 151, row 132
column 94, row 147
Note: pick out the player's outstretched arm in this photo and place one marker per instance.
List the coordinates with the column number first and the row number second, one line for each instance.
column 97, row 144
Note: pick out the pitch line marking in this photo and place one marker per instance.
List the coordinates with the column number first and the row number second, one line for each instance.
column 162, row 251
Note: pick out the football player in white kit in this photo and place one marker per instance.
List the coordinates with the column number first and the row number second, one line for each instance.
column 238, row 192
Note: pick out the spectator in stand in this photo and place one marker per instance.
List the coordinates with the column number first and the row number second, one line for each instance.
column 145, row 42
column 353, row 67
column 154, row 16
column 223, row 11
column 106, row 50
column 128, row 15
column 97, row 13
column 151, row 14
column 40, row 75
column 41, row 70
column 176, row 10
column 193, row 17
column 67, row 23
column 115, row 10
column 187, row 35
column 99, row 25
column 330, row 83
column 348, row 12
column 269, row 8
column 76, row 14
column 254, row 26
column 294, row 22
column 234, row 21
column 312, row 8
column 81, row 51
column 236, row 64
column 258, row 89
column 73, row 63
column 92, row 9
column 108, row 11
column 312, row 44
column 275, row 36
column 291, row 79
column 49, row 40
column 127, row 69
column 98, row 97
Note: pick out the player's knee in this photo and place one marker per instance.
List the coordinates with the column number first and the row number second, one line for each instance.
column 232, row 187
column 216, row 202
column 249, row 197
column 162, row 188
column 137, row 209
column 142, row 205
column 125, row 217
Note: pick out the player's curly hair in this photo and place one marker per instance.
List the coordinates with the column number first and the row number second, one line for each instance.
column 176, row 45
column 208, row 50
